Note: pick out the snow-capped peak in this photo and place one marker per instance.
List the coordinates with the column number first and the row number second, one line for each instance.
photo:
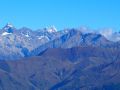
column 8, row 25
column 52, row 29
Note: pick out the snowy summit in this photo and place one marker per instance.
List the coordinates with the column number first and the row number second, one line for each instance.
column 8, row 25
column 52, row 29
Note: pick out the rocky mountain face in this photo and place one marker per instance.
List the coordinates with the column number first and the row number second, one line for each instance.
column 75, row 38
column 17, row 43
column 47, row 59
column 24, row 42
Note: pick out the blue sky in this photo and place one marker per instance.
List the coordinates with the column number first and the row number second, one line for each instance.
column 61, row 13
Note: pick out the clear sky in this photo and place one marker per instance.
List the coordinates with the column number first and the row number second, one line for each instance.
column 61, row 13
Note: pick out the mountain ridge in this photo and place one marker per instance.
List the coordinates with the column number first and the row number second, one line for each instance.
column 25, row 42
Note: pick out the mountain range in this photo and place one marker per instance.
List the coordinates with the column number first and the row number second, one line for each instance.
column 69, row 59
column 25, row 42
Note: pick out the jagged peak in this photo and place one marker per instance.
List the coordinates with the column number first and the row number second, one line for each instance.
column 7, row 26
column 52, row 29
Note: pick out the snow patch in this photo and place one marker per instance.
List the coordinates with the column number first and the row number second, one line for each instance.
column 5, row 33
column 27, row 35
column 41, row 37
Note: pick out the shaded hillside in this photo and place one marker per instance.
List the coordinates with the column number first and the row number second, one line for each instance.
column 78, row 68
